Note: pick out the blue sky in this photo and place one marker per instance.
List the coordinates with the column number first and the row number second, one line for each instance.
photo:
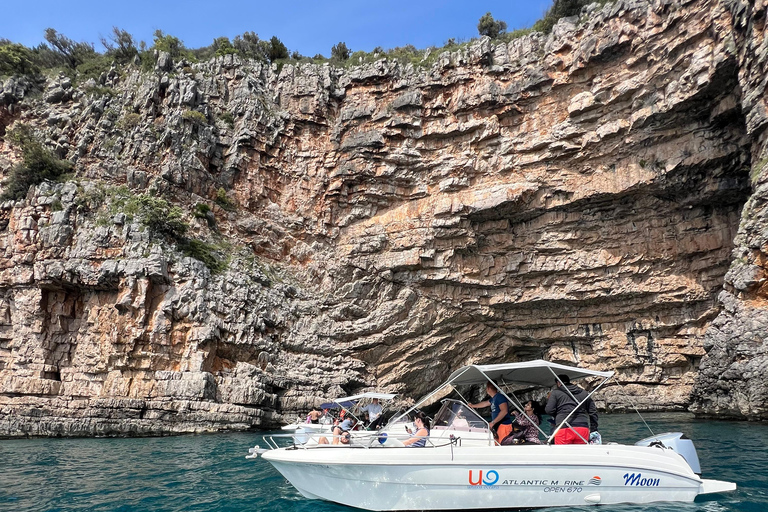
column 307, row 26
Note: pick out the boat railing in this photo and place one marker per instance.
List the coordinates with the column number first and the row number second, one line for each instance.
column 367, row 440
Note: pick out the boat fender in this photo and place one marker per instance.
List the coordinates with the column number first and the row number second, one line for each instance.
column 389, row 441
column 592, row 499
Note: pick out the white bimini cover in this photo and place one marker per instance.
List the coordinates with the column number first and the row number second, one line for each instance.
column 532, row 373
column 369, row 394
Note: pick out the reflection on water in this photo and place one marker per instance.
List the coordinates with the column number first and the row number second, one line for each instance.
column 209, row 473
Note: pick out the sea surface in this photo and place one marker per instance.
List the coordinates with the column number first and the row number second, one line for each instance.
column 210, row 472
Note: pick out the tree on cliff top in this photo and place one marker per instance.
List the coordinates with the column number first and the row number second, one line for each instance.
column 340, row 51
column 169, row 44
column 120, row 46
column 487, row 26
column 277, row 50
column 73, row 53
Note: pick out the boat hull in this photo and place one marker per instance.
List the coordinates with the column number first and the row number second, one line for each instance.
column 452, row 478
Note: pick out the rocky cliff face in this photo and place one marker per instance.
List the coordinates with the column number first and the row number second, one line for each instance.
column 578, row 197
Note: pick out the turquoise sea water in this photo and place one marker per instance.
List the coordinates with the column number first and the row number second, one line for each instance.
column 210, row 473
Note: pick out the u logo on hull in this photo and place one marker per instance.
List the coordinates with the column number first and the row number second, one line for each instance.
column 491, row 477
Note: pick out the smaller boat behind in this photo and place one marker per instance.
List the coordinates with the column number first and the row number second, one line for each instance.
column 337, row 409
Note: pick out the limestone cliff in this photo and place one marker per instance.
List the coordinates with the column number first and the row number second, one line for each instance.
column 576, row 197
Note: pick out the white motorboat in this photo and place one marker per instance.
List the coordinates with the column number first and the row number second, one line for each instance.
column 462, row 468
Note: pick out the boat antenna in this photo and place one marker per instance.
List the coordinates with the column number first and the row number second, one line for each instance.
column 635, row 408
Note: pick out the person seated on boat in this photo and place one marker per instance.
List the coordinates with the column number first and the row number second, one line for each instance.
column 561, row 403
column 314, row 415
column 419, row 438
column 374, row 411
column 501, row 420
column 343, row 438
column 459, row 421
column 526, row 426
column 343, row 428
column 326, row 418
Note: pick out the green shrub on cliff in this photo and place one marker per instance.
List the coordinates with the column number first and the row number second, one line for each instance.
column 166, row 221
column 204, row 252
column 37, row 165
column 561, row 9
column 160, row 217
column 17, row 59
column 223, row 200
column 194, row 117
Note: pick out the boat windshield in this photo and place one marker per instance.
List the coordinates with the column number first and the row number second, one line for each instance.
column 456, row 414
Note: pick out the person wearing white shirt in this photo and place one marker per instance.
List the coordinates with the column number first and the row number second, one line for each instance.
column 374, row 411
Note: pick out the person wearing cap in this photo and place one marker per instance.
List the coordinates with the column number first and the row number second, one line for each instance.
column 561, row 403
column 343, row 428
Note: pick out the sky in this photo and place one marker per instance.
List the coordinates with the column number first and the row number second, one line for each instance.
column 309, row 27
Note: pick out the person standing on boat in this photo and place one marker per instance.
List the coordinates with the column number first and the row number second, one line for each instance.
column 314, row 415
column 561, row 403
column 501, row 421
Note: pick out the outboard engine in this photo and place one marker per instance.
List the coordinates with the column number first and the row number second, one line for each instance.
column 677, row 442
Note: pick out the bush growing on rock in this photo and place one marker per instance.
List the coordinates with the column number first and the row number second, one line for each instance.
column 94, row 67
column 163, row 220
column 204, row 252
column 129, row 121
column 561, row 9
column 195, row 117
column 156, row 213
column 250, row 46
column 227, row 118
column 224, row 201
column 38, row 164
column 17, row 59
column 222, row 46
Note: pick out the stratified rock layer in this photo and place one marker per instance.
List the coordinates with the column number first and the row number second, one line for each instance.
column 574, row 197
column 732, row 381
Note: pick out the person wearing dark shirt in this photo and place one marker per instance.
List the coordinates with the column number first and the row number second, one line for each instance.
column 501, row 421
column 561, row 403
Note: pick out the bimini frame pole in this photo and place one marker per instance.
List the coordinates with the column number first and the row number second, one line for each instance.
column 514, row 403
column 425, row 398
column 579, row 404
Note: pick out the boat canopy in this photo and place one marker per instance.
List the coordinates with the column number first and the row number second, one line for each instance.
column 369, row 394
column 349, row 401
column 532, row 373
column 337, row 405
